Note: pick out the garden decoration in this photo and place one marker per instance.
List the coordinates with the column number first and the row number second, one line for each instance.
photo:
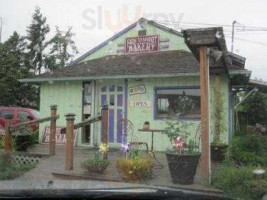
column 218, row 148
column 98, row 164
column 183, row 156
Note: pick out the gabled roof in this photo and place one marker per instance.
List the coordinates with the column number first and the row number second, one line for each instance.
column 121, row 33
column 157, row 64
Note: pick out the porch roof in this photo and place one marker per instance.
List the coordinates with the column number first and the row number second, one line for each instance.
column 158, row 64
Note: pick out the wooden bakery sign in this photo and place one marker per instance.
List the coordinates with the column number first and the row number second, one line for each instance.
column 142, row 44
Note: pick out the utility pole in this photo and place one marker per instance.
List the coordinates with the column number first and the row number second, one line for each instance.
column 233, row 33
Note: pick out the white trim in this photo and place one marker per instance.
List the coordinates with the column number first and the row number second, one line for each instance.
column 31, row 80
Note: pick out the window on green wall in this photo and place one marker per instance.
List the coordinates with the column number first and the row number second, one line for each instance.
column 182, row 102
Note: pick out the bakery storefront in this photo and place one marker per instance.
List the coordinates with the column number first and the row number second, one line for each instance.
column 145, row 74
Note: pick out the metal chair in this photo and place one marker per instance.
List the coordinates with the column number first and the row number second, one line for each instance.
column 127, row 130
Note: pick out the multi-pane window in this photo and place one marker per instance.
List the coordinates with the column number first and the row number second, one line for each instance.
column 177, row 103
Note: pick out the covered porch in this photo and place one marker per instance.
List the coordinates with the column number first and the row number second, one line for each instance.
column 51, row 169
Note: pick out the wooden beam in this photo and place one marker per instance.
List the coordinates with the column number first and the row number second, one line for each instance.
column 69, row 142
column 8, row 133
column 52, row 139
column 81, row 124
column 38, row 121
column 105, row 127
column 204, row 90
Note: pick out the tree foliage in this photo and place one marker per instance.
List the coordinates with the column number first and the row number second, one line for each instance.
column 25, row 56
column 14, row 64
column 63, row 49
column 37, row 32
column 256, row 108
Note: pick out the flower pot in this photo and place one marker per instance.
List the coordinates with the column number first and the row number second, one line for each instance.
column 182, row 167
column 146, row 127
column 217, row 152
column 94, row 168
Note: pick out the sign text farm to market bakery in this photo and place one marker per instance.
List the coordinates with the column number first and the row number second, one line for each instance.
column 142, row 44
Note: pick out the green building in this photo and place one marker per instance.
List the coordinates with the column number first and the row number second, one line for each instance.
column 146, row 72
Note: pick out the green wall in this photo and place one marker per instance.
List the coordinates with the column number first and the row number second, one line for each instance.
column 138, row 115
column 68, row 97
column 176, row 42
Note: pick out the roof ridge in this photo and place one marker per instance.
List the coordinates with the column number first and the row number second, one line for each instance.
column 119, row 34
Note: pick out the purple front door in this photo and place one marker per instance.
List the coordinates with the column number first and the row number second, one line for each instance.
column 113, row 96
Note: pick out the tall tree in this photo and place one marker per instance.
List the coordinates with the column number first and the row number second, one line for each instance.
column 14, row 64
column 256, row 108
column 63, row 49
column 36, row 34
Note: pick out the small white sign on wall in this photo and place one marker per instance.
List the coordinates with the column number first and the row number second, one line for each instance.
column 138, row 89
column 140, row 103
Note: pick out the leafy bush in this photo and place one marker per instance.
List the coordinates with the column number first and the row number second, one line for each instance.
column 8, row 170
column 239, row 182
column 249, row 149
column 136, row 169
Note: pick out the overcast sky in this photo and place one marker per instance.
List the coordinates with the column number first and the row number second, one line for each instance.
column 96, row 20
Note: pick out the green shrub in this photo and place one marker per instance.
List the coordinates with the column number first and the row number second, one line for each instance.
column 8, row 170
column 239, row 182
column 249, row 149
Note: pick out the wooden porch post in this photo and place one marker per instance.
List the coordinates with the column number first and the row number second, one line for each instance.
column 69, row 141
column 8, row 133
column 105, row 127
column 52, row 140
column 204, row 90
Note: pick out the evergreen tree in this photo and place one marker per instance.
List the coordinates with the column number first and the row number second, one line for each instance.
column 63, row 49
column 15, row 65
column 36, row 34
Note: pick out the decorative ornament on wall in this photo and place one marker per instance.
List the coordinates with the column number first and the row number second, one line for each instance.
column 139, row 89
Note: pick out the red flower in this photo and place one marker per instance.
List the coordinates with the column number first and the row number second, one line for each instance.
column 179, row 143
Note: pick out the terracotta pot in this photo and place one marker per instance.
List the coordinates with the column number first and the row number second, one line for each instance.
column 96, row 169
column 182, row 167
column 146, row 127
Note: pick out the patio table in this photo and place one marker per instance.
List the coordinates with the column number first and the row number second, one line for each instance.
column 152, row 131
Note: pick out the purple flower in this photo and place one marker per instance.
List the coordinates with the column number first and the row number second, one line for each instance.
column 125, row 147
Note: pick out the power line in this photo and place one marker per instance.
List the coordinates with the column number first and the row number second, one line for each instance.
column 246, row 40
column 209, row 24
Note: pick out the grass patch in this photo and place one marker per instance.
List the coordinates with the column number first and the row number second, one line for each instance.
column 239, row 182
column 8, row 170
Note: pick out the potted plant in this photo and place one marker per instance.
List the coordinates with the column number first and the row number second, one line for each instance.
column 146, row 125
column 182, row 156
column 98, row 164
column 134, row 166
column 217, row 147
